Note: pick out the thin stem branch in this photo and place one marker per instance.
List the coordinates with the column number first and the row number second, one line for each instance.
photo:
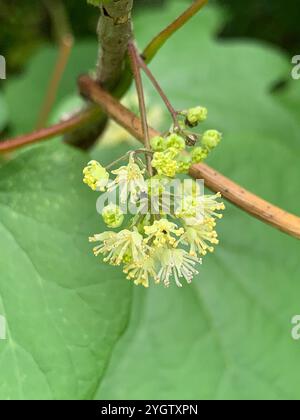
column 60, row 22
column 115, row 162
column 81, row 120
column 157, row 86
column 155, row 45
column 65, row 48
column 92, row 114
column 248, row 202
column 135, row 63
column 62, row 31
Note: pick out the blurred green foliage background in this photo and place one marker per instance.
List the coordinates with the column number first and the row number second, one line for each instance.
column 25, row 25
column 76, row 328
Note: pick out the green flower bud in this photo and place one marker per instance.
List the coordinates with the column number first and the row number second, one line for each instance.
column 95, row 176
column 113, row 216
column 196, row 116
column 211, row 139
column 184, row 163
column 164, row 162
column 176, row 141
column 199, row 154
column 156, row 185
column 158, row 144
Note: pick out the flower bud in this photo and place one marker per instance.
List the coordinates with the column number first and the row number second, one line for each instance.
column 158, row 144
column 164, row 162
column 176, row 141
column 184, row 163
column 113, row 216
column 95, row 176
column 199, row 154
column 196, row 115
column 211, row 139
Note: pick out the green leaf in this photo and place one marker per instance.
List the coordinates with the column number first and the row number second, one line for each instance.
column 228, row 336
column 33, row 84
column 64, row 309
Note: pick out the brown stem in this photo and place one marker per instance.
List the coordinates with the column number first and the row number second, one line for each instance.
column 65, row 49
column 71, row 124
column 155, row 45
column 247, row 201
column 114, row 32
column 157, row 86
column 256, row 206
column 108, row 74
column 85, row 137
column 135, row 63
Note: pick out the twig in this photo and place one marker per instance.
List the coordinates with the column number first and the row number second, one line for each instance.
column 71, row 124
column 61, row 25
column 65, row 49
column 63, row 34
column 157, row 86
column 123, row 80
column 114, row 32
column 155, row 45
column 135, row 63
column 84, row 118
column 257, row 207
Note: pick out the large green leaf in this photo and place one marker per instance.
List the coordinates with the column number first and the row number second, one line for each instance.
column 25, row 94
column 227, row 336
column 64, row 310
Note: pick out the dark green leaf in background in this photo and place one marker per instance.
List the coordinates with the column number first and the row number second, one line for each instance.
column 229, row 335
column 25, row 94
column 64, row 309
column 74, row 331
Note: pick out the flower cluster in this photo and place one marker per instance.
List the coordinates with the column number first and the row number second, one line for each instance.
column 180, row 148
column 166, row 238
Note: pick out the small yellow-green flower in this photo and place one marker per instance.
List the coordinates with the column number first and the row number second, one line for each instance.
column 175, row 141
column 211, row 206
column 95, row 176
column 165, row 163
column 125, row 245
column 162, row 233
column 141, row 272
column 211, row 139
column 201, row 238
column 187, row 208
column 130, row 180
column 196, row 115
column 184, row 163
column 113, row 216
column 177, row 264
column 158, row 144
column 199, row 154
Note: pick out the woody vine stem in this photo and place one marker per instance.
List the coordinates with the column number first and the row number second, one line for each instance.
column 135, row 62
column 109, row 106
